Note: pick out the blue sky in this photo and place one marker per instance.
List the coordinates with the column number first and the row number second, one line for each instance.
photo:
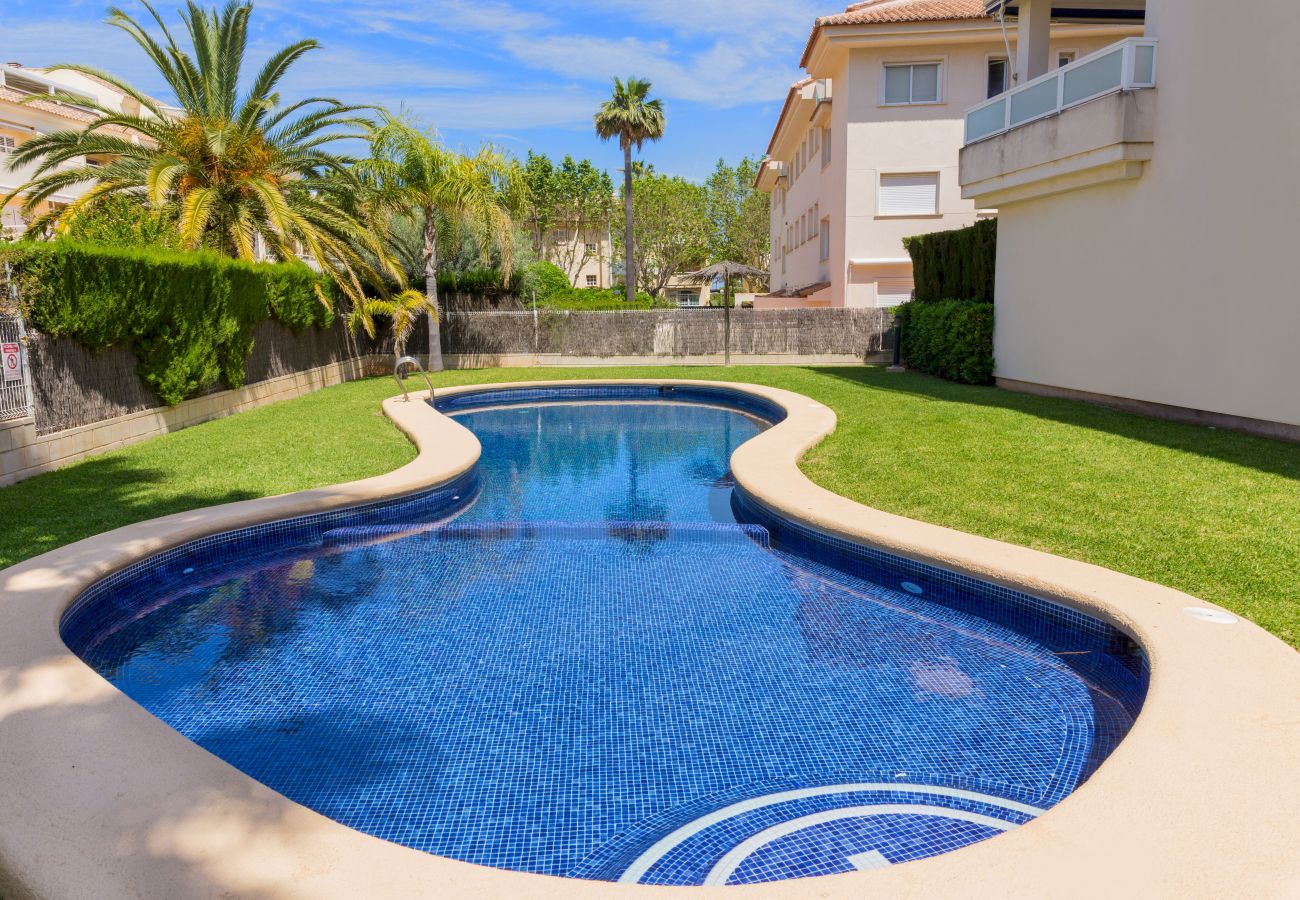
column 520, row 74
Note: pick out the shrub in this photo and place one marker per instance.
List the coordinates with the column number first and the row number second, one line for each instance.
column 949, row 338
column 481, row 282
column 120, row 221
column 543, row 280
column 957, row 263
column 188, row 317
column 594, row 299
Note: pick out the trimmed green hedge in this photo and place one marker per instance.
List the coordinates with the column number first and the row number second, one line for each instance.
column 595, row 299
column 949, row 338
column 957, row 263
column 483, row 282
column 188, row 317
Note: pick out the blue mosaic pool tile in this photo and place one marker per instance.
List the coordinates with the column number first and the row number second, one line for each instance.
column 575, row 652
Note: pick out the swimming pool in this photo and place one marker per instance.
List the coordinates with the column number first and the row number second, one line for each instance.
column 590, row 657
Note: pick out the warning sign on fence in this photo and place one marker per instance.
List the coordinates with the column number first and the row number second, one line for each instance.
column 13, row 361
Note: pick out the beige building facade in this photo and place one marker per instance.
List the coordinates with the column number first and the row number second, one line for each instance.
column 26, row 113
column 584, row 255
column 865, row 151
column 1148, row 220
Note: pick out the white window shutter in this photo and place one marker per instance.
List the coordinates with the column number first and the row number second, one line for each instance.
column 893, row 291
column 909, row 195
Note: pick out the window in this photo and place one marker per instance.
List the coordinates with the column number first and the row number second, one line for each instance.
column 815, row 219
column 1065, row 57
column 561, row 235
column 591, row 281
column 909, row 195
column 912, row 83
column 825, row 229
column 826, row 147
column 893, row 291
column 999, row 75
column 591, row 248
column 6, row 144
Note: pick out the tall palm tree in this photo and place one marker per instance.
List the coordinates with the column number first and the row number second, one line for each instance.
column 410, row 172
column 633, row 119
column 231, row 168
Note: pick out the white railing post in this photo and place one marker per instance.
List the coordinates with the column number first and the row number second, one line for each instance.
column 1126, row 67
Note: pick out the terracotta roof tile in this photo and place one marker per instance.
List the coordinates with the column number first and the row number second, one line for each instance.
column 872, row 11
column 49, row 106
column 62, row 110
column 885, row 12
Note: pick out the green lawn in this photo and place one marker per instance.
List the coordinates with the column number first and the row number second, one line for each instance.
column 1213, row 513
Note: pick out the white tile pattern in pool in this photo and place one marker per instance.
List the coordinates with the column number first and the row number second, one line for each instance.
column 733, row 859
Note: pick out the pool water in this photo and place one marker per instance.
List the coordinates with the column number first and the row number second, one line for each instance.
column 590, row 658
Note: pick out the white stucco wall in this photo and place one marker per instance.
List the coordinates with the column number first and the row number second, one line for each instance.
column 869, row 138
column 1181, row 287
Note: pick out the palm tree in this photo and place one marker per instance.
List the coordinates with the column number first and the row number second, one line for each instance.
column 410, row 172
column 633, row 119
column 231, row 168
column 402, row 311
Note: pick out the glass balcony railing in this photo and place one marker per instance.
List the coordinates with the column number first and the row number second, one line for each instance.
column 1128, row 65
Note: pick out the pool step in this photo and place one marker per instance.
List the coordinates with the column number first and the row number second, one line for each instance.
column 634, row 532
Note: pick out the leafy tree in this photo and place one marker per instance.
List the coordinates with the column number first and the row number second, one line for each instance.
column 738, row 215
column 411, row 173
column 234, row 166
column 574, row 197
column 670, row 216
column 633, row 119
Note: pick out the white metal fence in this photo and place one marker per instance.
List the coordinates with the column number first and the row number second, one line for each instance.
column 16, row 383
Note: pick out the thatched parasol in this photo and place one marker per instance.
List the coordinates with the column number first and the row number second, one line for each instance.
column 726, row 270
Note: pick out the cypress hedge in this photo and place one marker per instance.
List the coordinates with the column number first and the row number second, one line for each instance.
column 958, row 263
column 188, row 317
column 949, row 338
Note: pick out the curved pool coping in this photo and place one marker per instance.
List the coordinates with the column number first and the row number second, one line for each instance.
column 98, row 797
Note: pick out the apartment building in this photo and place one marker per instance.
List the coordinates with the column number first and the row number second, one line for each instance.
column 585, row 255
column 1148, row 211
column 30, row 105
column 865, row 151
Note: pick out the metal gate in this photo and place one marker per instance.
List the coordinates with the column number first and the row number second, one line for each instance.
column 16, row 386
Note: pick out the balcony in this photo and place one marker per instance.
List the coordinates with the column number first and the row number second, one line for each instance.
column 1086, row 123
column 1126, row 66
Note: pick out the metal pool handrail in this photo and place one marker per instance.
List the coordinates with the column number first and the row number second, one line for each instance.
column 397, row 375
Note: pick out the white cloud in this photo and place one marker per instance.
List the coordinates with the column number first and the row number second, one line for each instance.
column 499, row 65
column 751, row 22
column 342, row 71
column 503, row 110
column 49, row 41
column 417, row 20
column 720, row 75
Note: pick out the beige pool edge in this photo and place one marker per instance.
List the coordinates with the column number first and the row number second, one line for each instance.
column 100, row 799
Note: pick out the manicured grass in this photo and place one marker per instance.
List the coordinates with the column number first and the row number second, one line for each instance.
column 1213, row 513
